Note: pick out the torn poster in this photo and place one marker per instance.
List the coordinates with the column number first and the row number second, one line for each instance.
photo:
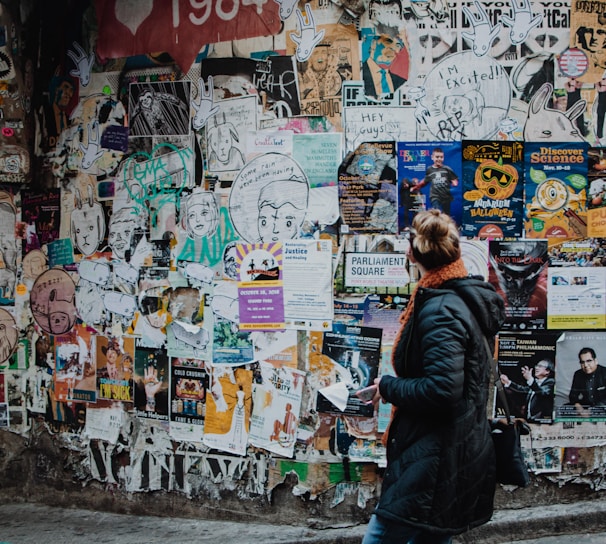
column 228, row 408
column 276, row 407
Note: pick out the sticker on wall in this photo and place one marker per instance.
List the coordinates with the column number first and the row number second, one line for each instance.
column 52, row 300
column 269, row 199
column 573, row 62
column 8, row 335
column 7, row 68
column 467, row 97
column 587, row 33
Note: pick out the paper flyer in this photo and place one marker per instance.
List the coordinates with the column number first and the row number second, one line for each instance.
column 75, row 365
column 276, row 407
column 368, row 189
column 228, row 409
column 308, row 284
column 356, row 351
column 429, row 176
column 261, row 286
column 115, row 367
column 493, row 189
column 527, row 372
column 580, row 377
column 556, row 190
column 151, row 383
column 188, row 385
column 518, row 271
column 576, row 297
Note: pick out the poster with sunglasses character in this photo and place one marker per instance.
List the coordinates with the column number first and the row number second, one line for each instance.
column 429, row 176
column 493, row 189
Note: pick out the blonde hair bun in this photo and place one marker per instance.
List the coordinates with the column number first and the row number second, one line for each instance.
column 436, row 240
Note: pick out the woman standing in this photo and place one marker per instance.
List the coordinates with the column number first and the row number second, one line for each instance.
column 440, row 476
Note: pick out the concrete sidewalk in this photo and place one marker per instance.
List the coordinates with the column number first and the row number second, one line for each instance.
column 29, row 523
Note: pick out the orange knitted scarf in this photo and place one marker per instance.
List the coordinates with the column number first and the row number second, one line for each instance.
column 432, row 278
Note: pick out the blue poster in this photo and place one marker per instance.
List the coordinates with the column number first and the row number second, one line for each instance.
column 429, row 175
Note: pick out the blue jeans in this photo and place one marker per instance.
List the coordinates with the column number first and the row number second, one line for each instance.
column 385, row 531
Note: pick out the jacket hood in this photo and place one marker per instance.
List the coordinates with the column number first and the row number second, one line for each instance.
column 486, row 305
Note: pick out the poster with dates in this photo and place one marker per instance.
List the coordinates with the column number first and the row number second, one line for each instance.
column 493, row 189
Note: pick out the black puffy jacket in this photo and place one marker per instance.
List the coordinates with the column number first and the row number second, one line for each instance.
column 440, row 472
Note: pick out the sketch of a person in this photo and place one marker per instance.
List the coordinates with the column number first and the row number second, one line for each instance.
column 593, row 41
column 230, row 261
column 318, row 76
column 282, row 209
column 200, row 221
column 159, row 113
column 237, row 432
column 385, row 46
column 87, row 223
column 61, row 312
column 8, row 248
column 89, row 302
column 122, row 227
column 34, row 263
column 288, row 426
column 385, row 11
column 466, row 109
column 200, row 214
column 8, row 335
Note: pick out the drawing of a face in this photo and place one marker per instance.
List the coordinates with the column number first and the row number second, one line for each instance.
column 384, row 49
column 201, row 215
column 154, row 306
column 230, row 263
column 198, row 219
column 121, row 228
column 588, row 38
column 319, row 59
column 59, row 322
column 268, row 181
column 458, row 107
column 282, row 207
column 34, row 263
column 62, row 313
column 146, row 99
column 385, row 12
column 277, row 223
column 8, row 335
column 87, row 224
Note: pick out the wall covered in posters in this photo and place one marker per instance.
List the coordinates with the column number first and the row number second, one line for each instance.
column 197, row 244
